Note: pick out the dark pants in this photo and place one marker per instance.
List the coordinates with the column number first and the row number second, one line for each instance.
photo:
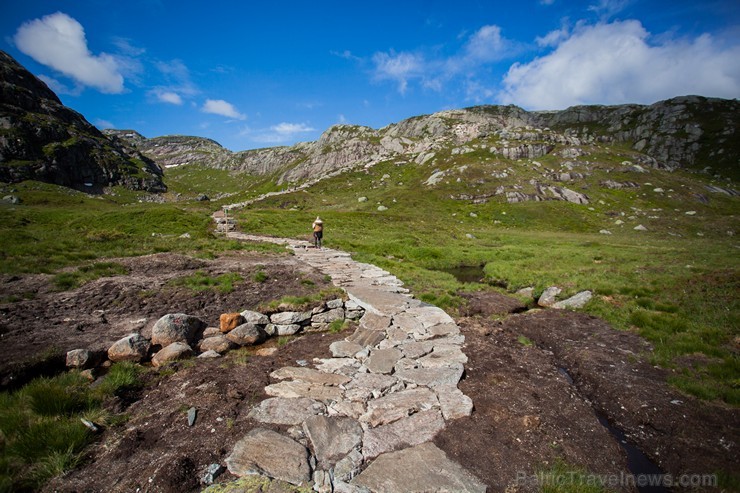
column 317, row 235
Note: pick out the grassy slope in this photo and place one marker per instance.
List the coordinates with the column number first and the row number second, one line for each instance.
column 676, row 283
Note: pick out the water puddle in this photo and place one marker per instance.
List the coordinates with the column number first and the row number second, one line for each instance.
column 639, row 465
column 466, row 273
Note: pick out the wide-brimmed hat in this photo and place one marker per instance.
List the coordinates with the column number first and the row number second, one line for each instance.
column 318, row 220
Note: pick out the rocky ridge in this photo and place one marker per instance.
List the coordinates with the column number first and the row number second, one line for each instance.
column 41, row 139
column 685, row 132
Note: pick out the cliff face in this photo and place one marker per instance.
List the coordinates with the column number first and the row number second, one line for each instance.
column 686, row 132
column 41, row 139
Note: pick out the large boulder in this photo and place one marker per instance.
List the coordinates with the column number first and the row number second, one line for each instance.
column 247, row 335
column 176, row 327
column 173, row 352
column 133, row 347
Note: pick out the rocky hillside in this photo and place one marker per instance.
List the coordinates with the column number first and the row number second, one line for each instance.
column 41, row 139
column 688, row 132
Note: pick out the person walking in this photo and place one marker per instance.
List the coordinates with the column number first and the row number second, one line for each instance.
column 318, row 231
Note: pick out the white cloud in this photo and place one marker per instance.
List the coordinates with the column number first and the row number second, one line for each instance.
column 103, row 124
column 60, row 88
column 164, row 96
column 553, row 38
column 282, row 132
column 223, row 108
column 58, row 41
column 485, row 46
column 398, row 67
column 614, row 63
column 609, row 8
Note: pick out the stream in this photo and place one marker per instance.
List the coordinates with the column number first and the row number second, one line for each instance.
column 639, row 464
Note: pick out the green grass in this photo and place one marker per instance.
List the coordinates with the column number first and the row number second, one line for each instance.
column 679, row 290
column 86, row 273
column 41, row 434
column 300, row 303
column 200, row 281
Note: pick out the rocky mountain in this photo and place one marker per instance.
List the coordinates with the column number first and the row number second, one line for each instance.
column 41, row 139
column 686, row 132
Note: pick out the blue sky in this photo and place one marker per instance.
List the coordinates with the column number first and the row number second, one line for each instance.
column 259, row 74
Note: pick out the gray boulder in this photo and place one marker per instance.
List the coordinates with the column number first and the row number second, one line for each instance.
column 219, row 343
column 176, row 327
column 577, row 301
column 256, row 318
column 247, row 335
column 134, row 347
column 173, row 352
column 548, row 296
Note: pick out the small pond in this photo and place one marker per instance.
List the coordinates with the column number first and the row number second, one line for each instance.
column 466, row 273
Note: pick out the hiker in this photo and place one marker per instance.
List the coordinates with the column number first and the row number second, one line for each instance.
column 318, row 231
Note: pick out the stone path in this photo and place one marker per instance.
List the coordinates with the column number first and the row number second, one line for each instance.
column 364, row 419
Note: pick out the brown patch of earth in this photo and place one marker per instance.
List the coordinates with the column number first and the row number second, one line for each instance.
column 538, row 379
column 36, row 333
column 528, row 416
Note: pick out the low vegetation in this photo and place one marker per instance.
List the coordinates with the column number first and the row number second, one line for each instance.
column 41, row 430
column 200, row 281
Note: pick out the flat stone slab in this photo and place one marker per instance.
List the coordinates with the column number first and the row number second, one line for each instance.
column 332, row 438
column 430, row 377
column 383, row 360
column 398, row 405
column 372, row 381
column 446, row 355
column 344, row 366
column 379, row 302
column 367, row 337
column 373, row 321
column 309, row 375
column 268, row 453
column 283, row 411
column 430, row 316
column 294, row 389
column 412, row 430
column 421, row 468
column 344, row 349
column 453, row 402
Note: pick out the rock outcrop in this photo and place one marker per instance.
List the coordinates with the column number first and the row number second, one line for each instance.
column 41, row 139
column 684, row 132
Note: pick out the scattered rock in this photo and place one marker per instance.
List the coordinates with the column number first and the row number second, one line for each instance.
column 290, row 318
column 211, row 473
column 176, row 327
column 192, row 415
column 219, row 343
column 548, row 296
column 577, row 301
column 640, row 227
column 209, row 354
column 230, row 321
column 78, row 358
column 247, row 335
column 255, row 318
column 266, row 452
column 173, row 352
column 309, row 375
column 133, row 347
